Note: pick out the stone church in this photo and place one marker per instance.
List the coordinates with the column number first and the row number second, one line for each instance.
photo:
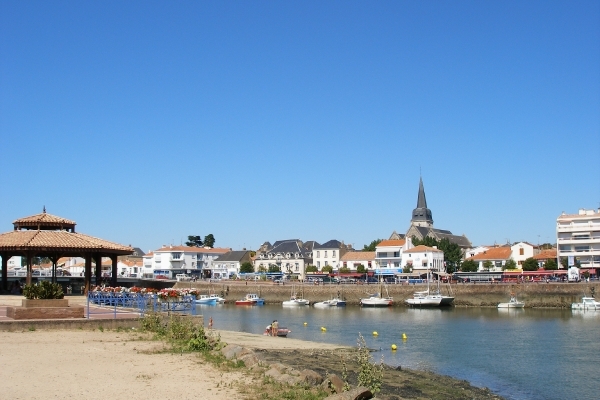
column 421, row 224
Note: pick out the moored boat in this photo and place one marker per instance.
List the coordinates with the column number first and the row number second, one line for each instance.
column 205, row 299
column 375, row 300
column 218, row 299
column 513, row 303
column 295, row 301
column 330, row 303
column 587, row 303
column 251, row 299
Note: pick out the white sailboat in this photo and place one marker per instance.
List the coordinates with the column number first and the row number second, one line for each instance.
column 295, row 300
column 513, row 303
column 427, row 298
column 377, row 299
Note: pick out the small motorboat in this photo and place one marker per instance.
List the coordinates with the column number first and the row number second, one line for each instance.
column 251, row 299
column 205, row 299
column 295, row 301
column 330, row 303
column 513, row 303
column 587, row 303
column 219, row 299
column 281, row 332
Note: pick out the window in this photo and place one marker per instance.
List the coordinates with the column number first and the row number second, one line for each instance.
column 176, row 256
column 318, row 254
column 325, row 254
column 521, row 251
column 297, row 267
column 381, row 255
column 333, row 253
column 318, row 264
column 396, row 254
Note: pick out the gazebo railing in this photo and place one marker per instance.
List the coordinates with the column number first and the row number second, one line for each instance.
column 101, row 303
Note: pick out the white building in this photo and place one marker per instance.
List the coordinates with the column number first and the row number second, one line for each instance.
column 290, row 256
column 522, row 251
column 353, row 259
column 329, row 253
column 228, row 264
column 388, row 256
column 424, row 258
column 578, row 238
column 168, row 261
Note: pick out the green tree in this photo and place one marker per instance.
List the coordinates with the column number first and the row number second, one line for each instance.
column 246, row 268
column 262, row 268
column 311, row 268
column 452, row 254
column 372, row 245
column 194, row 241
column 530, row 265
column 327, row 268
column 510, row 264
column 274, row 268
column 407, row 268
column 487, row 265
column 426, row 241
column 344, row 270
column 361, row 269
column 469, row 266
column 564, row 262
column 550, row 265
column 209, row 240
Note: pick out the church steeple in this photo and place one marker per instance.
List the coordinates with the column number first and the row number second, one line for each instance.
column 421, row 216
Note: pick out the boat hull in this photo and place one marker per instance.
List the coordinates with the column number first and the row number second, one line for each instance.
column 517, row 304
column 376, row 302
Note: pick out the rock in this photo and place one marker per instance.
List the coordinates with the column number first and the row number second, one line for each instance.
column 337, row 384
column 273, row 373
column 310, row 377
column 249, row 359
column 280, row 367
column 231, row 351
column 358, row 393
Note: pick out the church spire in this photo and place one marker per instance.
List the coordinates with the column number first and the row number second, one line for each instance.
column 421, row 216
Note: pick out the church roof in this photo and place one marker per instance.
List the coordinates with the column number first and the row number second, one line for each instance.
column 422, row 213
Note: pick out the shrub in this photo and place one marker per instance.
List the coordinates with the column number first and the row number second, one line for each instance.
column 370, row 375
column 43, row 290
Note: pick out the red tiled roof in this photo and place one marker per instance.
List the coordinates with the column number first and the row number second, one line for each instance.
column 423, row 249
column 358, row 256
column 546, row 254
column 57, row 240
column 43, row 218
column 495, row 253
column 392, row 242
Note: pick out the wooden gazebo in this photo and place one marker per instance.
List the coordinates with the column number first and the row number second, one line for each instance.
column 46, row 235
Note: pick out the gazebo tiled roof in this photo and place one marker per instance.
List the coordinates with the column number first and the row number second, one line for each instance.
column 44, row 221
column 57, row 240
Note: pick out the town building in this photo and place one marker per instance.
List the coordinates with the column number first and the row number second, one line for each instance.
column 521, row 251
column 329, row 253
column 421, row 259
column 290, row 256
column 228, row 264
column 388, row 256
column 578, row 238
column 498, row 256
column 169, row 261
column 353, row 259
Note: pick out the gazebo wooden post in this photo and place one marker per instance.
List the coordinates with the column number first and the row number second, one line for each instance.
column 5, row 258
column 88, row 273
column 98, row 260
column 29, row 258
column 113, row 275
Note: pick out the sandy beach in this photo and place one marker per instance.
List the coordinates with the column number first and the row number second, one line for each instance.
column 100, row 365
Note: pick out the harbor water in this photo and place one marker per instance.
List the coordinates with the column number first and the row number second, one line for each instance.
column 516, row 353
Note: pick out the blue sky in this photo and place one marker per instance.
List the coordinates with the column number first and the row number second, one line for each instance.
column 148, row 121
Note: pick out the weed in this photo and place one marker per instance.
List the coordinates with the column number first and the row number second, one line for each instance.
column 370, row 375
column 101, row 328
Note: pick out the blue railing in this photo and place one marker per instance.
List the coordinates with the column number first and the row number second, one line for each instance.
column 102, row 303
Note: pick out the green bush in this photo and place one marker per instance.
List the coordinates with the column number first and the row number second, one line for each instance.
column 43, row 290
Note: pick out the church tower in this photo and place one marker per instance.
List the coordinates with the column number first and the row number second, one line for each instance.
column 421, row 216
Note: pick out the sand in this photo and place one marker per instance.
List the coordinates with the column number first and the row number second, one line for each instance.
column 100, row 365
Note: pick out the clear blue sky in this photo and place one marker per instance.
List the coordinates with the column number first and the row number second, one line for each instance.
column 148, row 121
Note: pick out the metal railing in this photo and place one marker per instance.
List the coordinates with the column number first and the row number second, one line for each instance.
column 115, row 303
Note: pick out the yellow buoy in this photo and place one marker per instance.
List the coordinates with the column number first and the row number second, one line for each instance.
column 404, row 337
column 394, row 347
column 323, row 329
column 306, row 323
column 375, row 333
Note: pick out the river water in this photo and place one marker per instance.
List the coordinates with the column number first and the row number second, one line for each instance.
column 518, row 354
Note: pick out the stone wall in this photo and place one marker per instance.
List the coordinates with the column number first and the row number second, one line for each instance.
column 467, row 295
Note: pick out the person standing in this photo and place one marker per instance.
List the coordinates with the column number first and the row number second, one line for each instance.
column 275, row 328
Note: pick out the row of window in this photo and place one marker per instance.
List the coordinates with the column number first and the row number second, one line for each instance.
column 325, row 253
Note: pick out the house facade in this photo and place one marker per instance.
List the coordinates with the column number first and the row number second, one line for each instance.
column 522, row 251
column 388, row 256
column 168, row 261
column 228, row 264
column 329, row 253
column 578, row 238
column 421, row 259
column 290, row 256
column 353, row 259
column 498, row 256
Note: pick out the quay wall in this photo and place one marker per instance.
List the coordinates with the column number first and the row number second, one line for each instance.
column 554, row 295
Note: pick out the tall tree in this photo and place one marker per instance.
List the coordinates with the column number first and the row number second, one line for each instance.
column 510, row 264
column 372, row 245
column 530, row 264
column 194, row 241
column 550, row 265
column 274, row 268
column 469, row 266
column 487, row 265
column 327, row 268
column 452, row 254
column 361, row 269
column 246, row 268
column 209, row 240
